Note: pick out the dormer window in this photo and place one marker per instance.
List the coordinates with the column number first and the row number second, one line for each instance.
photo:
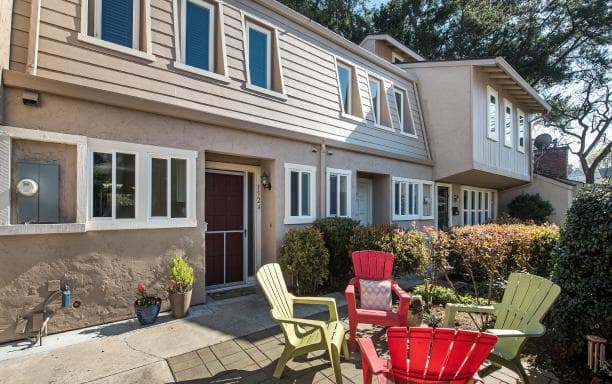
column 380, row 106
column 348, row 90
column 262, row 58
column 508, row 124
column 522, row 123
column 404, row 112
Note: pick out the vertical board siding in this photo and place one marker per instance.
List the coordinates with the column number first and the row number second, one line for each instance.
column 494, row 153
column 307, row 60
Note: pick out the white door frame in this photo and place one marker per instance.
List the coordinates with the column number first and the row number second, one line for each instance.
column 371, row 192
column 213, row 166
column 450, row 204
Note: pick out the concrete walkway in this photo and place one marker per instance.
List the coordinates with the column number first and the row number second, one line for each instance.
column 229, row 341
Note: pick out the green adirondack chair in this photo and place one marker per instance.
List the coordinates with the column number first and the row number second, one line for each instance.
column 302, row 335
column 526, row 301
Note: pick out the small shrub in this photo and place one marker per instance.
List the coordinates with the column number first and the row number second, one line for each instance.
column 439, row 295
column 409, row 249
column 180, row 274
column 583, row 271
column 369, row 237
column 530, row 207
column 305, row 258
column 337, row 233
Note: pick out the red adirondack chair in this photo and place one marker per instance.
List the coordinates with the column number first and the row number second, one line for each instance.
column 436, row 355
column 374, row 265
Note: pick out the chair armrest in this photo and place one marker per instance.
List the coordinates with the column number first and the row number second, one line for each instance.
column 451, row 310
column 404, row 302
column 371, row 357
column 304, row 322
column 537, row 332
column 351, row 302
column 329, row 301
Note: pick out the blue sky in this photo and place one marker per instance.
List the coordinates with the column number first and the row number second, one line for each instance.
column 376, row 3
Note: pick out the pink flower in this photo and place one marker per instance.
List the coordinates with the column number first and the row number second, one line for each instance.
column 141, row 287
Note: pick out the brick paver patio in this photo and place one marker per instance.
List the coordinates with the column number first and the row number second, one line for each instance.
column 252, row 359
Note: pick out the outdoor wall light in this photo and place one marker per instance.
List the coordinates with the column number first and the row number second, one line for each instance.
column 265, row 181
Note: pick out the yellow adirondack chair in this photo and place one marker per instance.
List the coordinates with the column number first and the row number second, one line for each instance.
column 526, row 301
column 302, row 335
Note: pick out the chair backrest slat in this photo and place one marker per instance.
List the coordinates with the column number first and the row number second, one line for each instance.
column 372, row 265
column 440, row 354
column 270, row 277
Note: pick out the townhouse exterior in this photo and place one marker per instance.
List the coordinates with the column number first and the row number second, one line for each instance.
column 133, row 130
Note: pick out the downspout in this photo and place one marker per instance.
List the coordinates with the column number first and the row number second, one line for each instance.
column 32, row 60
column 322, row 190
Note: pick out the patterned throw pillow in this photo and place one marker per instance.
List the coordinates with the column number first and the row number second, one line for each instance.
column 375, row 294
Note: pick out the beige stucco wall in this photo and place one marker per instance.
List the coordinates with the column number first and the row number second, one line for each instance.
column 62, row 154
column 560, row 195
column 104, row 266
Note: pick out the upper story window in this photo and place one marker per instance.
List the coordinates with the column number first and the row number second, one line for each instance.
column 522, row 123
column 300, row 193
column 404, row 112
column 350, row 102
column 492, row 111
column 380, row 107
column 508, row 124
column 338, row 192
column 262, row 57
column 198, row 22
column 120, row 25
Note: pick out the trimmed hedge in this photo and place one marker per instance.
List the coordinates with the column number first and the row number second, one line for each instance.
column 528, row 207
column 584, row 273
column 337, row 233
column 305, row 258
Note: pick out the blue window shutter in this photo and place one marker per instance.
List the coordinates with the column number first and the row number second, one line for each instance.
column 258, row 58
column 117, row 20
column 197, row 36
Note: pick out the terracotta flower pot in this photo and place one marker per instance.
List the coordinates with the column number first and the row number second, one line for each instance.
column 180, row 302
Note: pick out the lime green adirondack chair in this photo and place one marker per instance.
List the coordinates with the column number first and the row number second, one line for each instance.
column 302, row 335
column 526, row 301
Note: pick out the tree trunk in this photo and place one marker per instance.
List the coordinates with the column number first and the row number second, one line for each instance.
column 589, row 175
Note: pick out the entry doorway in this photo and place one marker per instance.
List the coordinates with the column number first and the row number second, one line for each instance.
column 364, row 201
column 443, row 206
column 232, row 225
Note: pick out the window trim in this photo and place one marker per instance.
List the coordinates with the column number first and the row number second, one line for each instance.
column 419, row 215
column 143, row 25
column 492, row 201
column 350, row 88
column 211, row 32
column 268, row 33
column 508, row 137
column 349, row 181
column 289, row 167
column 135, row 23
column 354, row 116
column 168, row 158
column 376, row 112
column 406, row 100
column 492, row 92
column 519, row 114
column 112, row 151
column 382, row 95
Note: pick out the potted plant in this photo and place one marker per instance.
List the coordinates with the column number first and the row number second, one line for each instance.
column 146, row 306
column 417, row 308
column 179, row 289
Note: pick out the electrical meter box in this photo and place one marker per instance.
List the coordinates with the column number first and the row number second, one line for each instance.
column 43, row 206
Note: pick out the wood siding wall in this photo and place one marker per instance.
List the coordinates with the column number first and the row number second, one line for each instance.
column 492, row 153
column 312, row 106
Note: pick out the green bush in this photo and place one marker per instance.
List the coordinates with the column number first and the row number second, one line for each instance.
column 180, row 274
column 530, row 207
column 305, row 258
column 437, row 294
column 337, row 233
column 583, row 271
column 408, row 247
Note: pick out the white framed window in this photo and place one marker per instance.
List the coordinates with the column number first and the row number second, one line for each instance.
column 198, row 34
column 404, row 112
column 338, row 197
column 412, row 199
column 119, row 25
column 427, row 200
column 345, row 85
column 140, row 186
column 477, row 205
column 259, row 53
column 492, row 114
column 522, row 125
column 300, row 193
column 508, row 124
column 376, row 91
column 168, row 187
column 114, row 176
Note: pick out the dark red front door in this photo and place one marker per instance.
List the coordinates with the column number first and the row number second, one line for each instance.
column 225, row 231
